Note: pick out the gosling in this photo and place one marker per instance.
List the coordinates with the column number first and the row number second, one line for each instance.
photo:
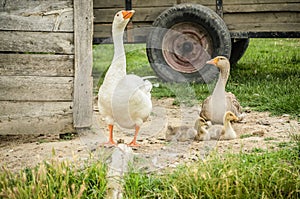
column 216, row 132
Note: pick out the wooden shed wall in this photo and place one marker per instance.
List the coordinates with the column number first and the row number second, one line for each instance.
column 239, row 15
column 37, row 67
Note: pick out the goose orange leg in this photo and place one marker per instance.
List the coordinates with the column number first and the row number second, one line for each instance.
column 133, row 142
column 110, row 139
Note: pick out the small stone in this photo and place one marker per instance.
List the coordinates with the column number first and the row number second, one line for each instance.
column 242, row 121
column 265, row 122
column 248, row 111
column 259, row 133
column 194, row 158
column 120, row 141
column 172, row 165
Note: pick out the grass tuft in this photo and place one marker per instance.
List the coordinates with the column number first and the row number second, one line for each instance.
column 261, row 174
column 54, row 180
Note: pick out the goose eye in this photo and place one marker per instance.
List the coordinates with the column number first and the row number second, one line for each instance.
column 118, row 15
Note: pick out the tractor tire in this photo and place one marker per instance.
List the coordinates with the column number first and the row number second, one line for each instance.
column 239, row 47
column 183, row 39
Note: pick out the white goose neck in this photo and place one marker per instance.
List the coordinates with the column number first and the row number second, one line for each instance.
column 220, row 84
column 224, row 74
column 119, row 52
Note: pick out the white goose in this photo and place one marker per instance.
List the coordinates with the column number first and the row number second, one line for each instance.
column 215, row 105
column 123, row 99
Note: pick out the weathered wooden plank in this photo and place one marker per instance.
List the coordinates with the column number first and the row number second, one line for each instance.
column 38, row 125
column 135, row 3
column 108, row 4
column 104, row 15
column 36, row 65
column 288, row 7
column 49, row 42
column 139, row 30
column 141, row 14
column 35, row 117
column 153, row 3
column 264, row 27
column 202, row 2
column 42, row 5
column 243, row 2
column 160, row 3
column 267, row 17
column 83, row 82
column 140, row 35
column 144, row 14
column 15, row 109
column 33, row 88
column 102, row 31
column 37, row 15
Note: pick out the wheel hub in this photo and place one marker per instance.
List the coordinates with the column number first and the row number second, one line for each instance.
column 187, row 47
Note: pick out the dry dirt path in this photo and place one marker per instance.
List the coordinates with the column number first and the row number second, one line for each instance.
column 257, row 131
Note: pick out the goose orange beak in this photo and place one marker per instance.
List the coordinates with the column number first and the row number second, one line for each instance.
column 213, row 61
column 127, row 14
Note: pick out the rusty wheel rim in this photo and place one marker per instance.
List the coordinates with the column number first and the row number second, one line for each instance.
column 186, row 47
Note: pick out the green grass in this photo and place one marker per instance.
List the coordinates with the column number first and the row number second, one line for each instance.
column 261, row 174
column 269, row 138
column 266, row 78
column 246, row 136
column 54, row 180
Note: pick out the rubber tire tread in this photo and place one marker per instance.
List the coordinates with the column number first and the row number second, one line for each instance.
column 196, row 13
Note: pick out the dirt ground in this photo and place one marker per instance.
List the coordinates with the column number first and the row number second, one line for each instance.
column 258, row 131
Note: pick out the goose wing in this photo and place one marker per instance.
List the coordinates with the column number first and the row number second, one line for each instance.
column 232, row 104
column 131, row 101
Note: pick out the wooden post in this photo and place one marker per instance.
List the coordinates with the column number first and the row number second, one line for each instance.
column 129, row 27
column 219, row 7
column 83, row 81
column 128, row 5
